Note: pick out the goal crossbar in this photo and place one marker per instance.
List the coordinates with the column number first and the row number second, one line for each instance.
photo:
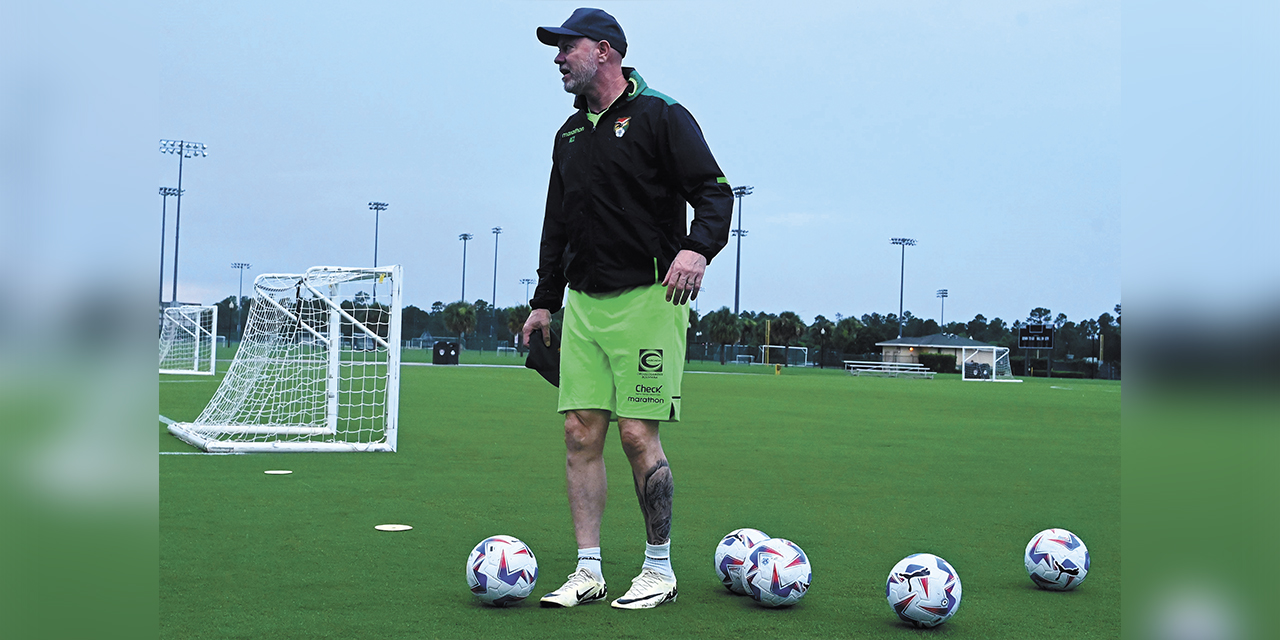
column 300, row 380
column 187, row 340
column 989, row 364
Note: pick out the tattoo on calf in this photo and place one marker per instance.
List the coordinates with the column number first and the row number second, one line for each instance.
column 655, row 502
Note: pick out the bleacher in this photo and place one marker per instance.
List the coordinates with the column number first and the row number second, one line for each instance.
column 887, row 369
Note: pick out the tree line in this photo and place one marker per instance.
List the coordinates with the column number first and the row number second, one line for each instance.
column 481, row 326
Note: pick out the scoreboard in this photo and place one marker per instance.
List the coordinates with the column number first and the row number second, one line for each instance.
column 1035, row 336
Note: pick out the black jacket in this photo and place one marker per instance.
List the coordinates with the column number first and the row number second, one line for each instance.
column 616, row 212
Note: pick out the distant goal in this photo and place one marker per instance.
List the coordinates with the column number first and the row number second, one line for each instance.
column 778, row 354
column 187, row 339
column 986, row 363
column 318, row 368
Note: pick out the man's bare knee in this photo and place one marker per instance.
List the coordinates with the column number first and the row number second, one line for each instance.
column 638, row 438
column 582, row 434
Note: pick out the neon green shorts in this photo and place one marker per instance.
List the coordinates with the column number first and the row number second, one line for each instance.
column 623, row 352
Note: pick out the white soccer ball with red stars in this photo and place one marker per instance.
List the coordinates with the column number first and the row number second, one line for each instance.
column 1057, row 560
column 923, row 590
column 731, row 553
column 501, row 571
column 776, row 573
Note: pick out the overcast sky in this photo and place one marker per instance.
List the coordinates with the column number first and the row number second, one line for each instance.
column 989, row 132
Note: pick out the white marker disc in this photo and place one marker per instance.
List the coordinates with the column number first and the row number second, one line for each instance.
column 277, row 472
column 393, row 527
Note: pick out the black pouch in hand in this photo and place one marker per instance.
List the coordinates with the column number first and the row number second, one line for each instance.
column 543, row 359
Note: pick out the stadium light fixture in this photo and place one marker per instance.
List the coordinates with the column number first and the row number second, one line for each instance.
column 377, row 208
column 182, row 149
column 165, row 192
column 739, row 193
column 526, row 282
column 240, row 296
column 464, row 237
column 493, row 302
column 942, row 317
column 904, row 242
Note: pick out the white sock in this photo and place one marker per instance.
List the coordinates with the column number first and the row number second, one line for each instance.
column 590, row 560
column 658, row 558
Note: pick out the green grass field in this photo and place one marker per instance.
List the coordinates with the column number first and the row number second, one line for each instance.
column 860, row 472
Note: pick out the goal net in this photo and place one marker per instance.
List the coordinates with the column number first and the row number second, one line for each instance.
column 778, row 354
column 187, row 339
column 318, row 368
column 987, row 363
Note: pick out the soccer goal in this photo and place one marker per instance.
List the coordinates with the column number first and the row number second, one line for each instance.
column 987, row 363
column 187, row 339
column 778, row 354
column 318, row 368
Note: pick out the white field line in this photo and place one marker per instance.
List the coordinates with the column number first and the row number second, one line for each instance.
column 166, row 420
column 201, row 453
column 490, row 366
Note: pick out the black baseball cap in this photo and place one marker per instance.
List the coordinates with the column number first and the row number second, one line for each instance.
column 589, row 23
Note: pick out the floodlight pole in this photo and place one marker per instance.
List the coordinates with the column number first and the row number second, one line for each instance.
column 493, row 302
column 377, row 208
column 739, row 193
column 165, row 192
column 526, row 282
column 905, row 242
column 240, row 296
column 182, row 149
column 464, row 237
column 942, row 317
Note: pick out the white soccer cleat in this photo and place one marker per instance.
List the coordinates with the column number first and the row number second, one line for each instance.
column 648, row 590
column 582, row 588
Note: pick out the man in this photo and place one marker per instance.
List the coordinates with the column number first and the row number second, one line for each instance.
column 624, row 167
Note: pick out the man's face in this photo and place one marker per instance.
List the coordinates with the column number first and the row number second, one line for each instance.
column 577, row 62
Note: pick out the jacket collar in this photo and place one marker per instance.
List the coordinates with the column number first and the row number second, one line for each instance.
column 635, row 86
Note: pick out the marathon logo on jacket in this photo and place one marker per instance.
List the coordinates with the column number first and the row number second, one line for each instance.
column 620, row 127
column 571, row 134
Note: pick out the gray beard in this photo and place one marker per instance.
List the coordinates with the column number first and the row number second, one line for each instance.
column 580, row 78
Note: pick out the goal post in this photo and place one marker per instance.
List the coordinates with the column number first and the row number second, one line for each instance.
column 778, row 354
column 318, row 368
column 989, row 364
column 187, row 340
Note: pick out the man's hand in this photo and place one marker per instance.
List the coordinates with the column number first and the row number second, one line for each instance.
column 538, row 319
column 684, row 278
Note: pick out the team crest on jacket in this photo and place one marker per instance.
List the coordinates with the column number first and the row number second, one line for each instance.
column 620, row 127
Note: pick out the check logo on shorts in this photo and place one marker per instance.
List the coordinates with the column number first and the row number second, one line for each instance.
column 651, row 361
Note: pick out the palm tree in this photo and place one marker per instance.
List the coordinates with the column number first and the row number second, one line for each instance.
column 749, row 328
column 820, row 333
column 515, row 323
column 460, row 317
column 722, row 327
column 786, row 328
column 846, row 334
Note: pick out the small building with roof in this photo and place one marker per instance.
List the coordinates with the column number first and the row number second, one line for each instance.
column 908, row 350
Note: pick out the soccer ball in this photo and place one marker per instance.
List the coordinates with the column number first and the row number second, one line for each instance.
column 731, row 552
column 1057, row 560
column 501, row 571
column 923, row 590
column 776, row 573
